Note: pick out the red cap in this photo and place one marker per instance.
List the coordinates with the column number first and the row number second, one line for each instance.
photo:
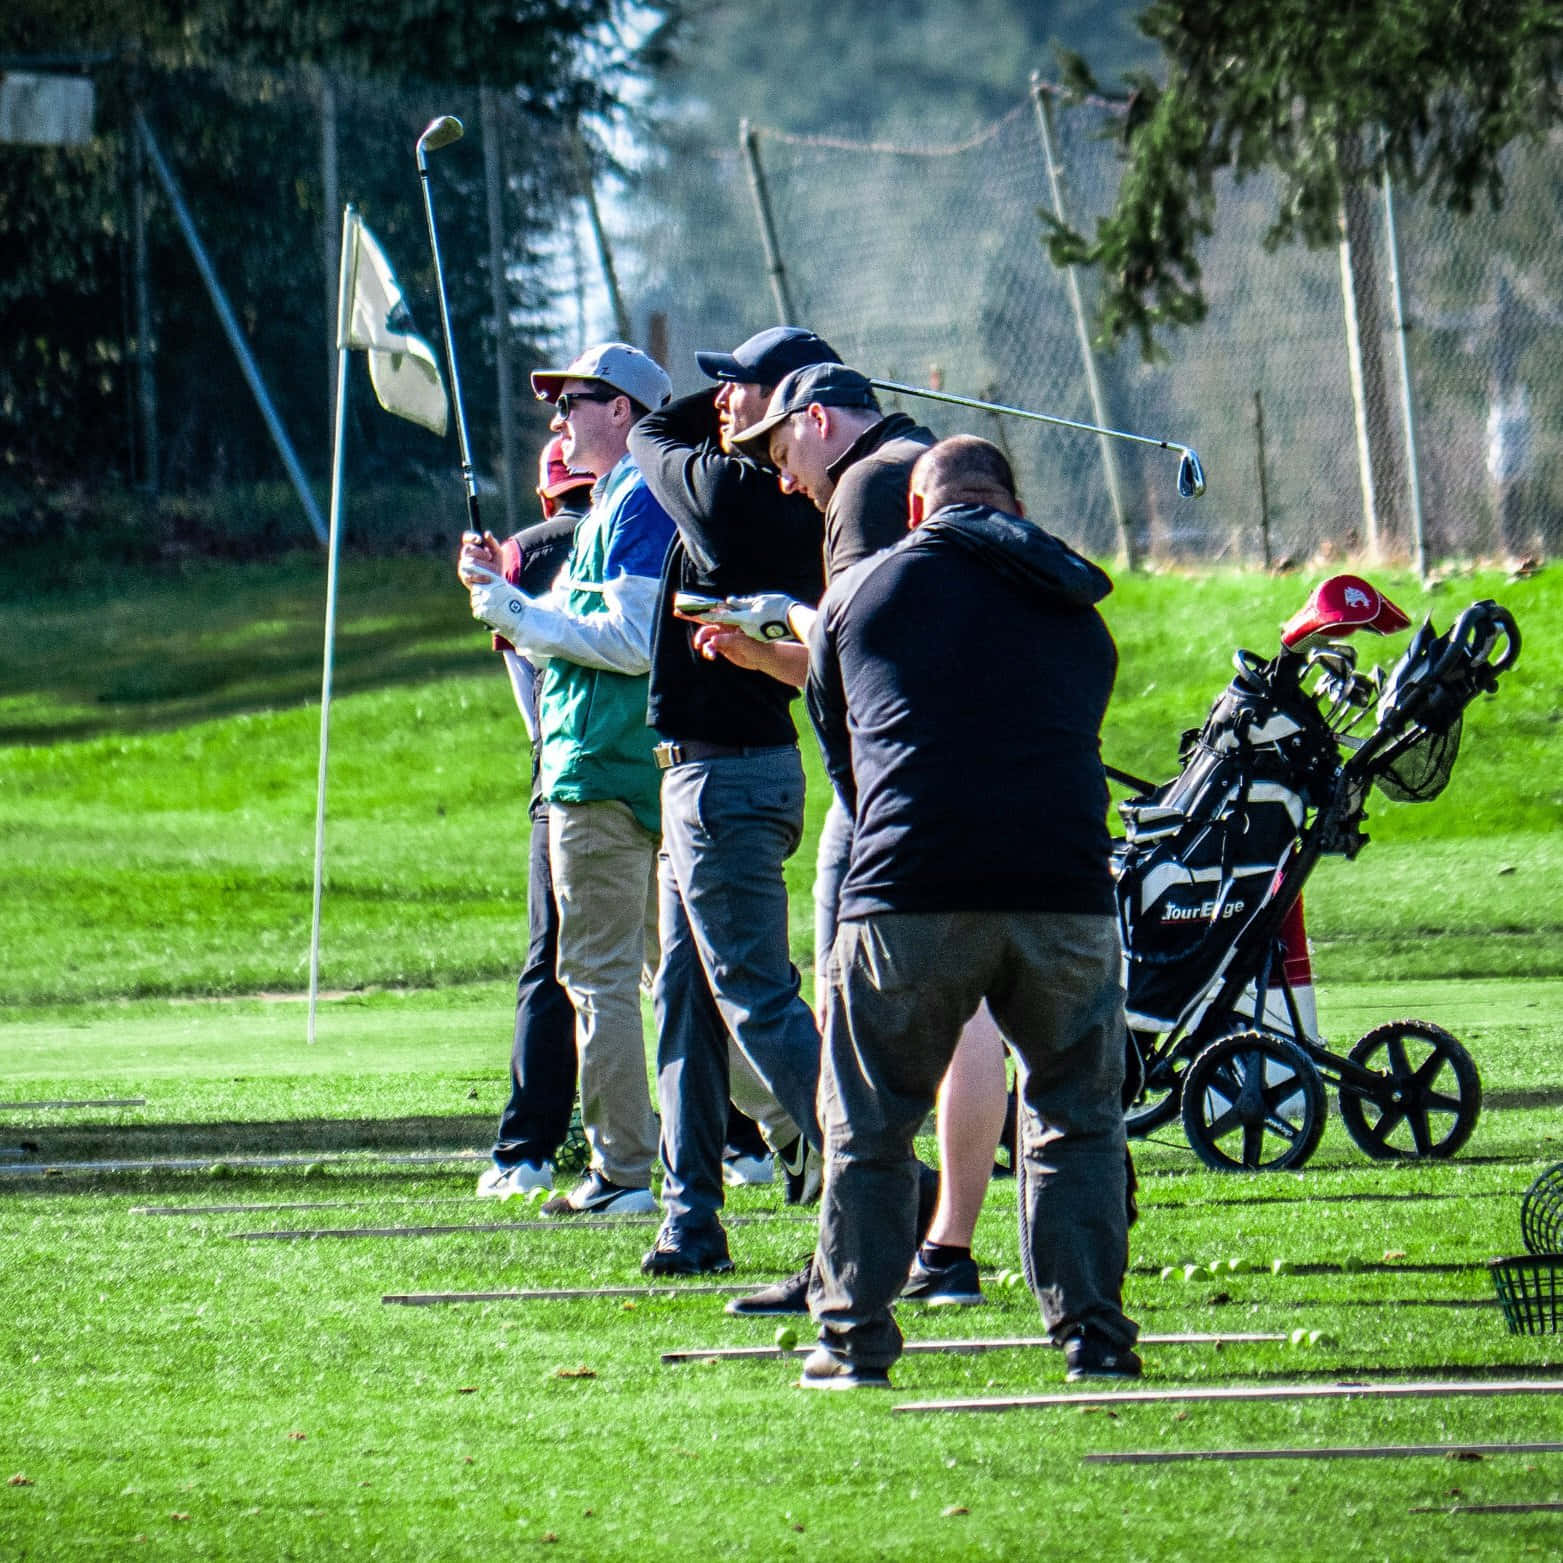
column 553, row 477
column 1337, row 607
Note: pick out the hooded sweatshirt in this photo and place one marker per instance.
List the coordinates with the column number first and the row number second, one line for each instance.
column 958, row 682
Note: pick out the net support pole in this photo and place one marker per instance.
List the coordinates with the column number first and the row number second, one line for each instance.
column 1126, row 543
column 1264, row 478
column 1407, row 399
column 610, row 277
column 230, row 325
column 776, row 273
column 146, row 348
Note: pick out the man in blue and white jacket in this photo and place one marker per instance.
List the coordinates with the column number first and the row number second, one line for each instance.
column 592, row 635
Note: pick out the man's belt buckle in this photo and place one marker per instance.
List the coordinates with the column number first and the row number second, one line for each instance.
column 667, row 754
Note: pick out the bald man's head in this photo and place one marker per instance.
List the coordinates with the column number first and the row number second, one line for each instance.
column 962, row 470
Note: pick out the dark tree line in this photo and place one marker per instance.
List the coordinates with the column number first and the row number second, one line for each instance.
column 234, row 92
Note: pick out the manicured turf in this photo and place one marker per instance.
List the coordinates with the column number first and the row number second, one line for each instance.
column 158, row 759
column 256, row 1399
column 161, row 1378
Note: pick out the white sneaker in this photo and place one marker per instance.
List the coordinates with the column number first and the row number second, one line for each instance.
column 501, row 1182
column 594, row 1195
column 744, row 1171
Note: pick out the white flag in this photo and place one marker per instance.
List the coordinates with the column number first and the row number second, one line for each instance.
column 402, row 369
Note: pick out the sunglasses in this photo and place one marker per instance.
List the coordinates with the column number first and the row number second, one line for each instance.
column 568, row 399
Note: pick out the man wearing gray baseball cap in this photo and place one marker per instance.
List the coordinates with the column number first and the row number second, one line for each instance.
column 593, row 630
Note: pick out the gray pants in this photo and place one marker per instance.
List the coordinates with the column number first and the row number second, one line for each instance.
column 904, row 984
column 604, row 882
column 830, row 868
column 728, row 825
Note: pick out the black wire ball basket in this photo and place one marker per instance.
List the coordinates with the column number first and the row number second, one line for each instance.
column 1530, row 1290
column 1541, row 1212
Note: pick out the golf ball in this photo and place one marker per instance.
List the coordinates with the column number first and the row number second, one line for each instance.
column 786, row 1337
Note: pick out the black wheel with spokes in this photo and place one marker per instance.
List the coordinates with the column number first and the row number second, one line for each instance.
column 1428, row 1099
column 1253, row 1103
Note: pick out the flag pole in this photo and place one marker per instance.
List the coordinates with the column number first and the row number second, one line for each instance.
column 349, row 253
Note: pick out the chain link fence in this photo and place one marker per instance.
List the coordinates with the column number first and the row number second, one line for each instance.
column 926, row 265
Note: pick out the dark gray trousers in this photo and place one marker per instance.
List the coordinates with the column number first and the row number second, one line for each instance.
column 904, row 984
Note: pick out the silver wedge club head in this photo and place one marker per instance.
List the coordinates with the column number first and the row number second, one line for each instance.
column 440, row 133
column 1191, row 475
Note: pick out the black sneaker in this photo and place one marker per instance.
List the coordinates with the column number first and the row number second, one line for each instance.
column 789, row 1296
column 953, row 1285
column 822, row 1370
column 803, row 1171
column 687, row 1253
column 1089, row 1356
column 594, row 1195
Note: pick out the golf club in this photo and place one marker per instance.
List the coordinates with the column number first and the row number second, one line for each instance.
column 1191, row 475
column 440, row 133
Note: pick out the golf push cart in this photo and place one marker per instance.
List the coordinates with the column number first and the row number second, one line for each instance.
column 1210, row 873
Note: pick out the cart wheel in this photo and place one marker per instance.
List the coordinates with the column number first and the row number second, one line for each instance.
column 1253, row 1103
column 1430, row 1099
column 1160, row 1094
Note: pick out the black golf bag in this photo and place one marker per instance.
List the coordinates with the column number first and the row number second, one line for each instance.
column 1211, row 868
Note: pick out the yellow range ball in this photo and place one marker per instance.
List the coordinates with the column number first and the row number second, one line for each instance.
column 786, row 1337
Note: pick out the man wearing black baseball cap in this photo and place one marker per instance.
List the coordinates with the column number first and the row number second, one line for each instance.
column 732, row 797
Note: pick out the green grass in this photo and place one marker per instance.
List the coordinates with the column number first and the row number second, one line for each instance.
column 158, row 753
column 228, row 1396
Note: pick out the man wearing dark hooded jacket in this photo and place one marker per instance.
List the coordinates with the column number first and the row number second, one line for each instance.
column 959, row 681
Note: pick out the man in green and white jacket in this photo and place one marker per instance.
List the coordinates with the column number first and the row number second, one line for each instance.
column 592, row 634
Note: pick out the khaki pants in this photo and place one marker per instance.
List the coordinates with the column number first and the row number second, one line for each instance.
column 604, row 868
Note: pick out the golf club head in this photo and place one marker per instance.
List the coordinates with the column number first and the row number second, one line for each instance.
column 1191, row 475
column 440, row 133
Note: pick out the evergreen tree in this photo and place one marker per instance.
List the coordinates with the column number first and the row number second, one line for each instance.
column 1325, row 97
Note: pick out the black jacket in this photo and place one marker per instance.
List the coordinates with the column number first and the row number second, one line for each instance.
column 737, row 534
column 958, row 682
column 868, row 510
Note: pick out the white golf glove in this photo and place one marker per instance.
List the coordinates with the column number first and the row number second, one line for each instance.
column 763, row 617
column 495, row 602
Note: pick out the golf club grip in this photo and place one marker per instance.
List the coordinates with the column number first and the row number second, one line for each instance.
column 473, row 524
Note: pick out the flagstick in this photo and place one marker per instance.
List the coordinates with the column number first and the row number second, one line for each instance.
column 339, row 442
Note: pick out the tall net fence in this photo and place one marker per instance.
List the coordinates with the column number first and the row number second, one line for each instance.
column 922, row 264
column 926, row 265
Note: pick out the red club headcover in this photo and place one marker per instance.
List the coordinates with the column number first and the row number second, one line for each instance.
column 1337, row 608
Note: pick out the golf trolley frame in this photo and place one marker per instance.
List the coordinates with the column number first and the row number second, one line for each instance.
column 1239, row 1063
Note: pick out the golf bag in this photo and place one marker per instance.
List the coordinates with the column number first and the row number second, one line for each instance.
column 1209, row 876
column 1202, row 855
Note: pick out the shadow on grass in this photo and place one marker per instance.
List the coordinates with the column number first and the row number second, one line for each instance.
column 182, row 648
column 419, row 1181
column 160, row 712
column 187, row 1141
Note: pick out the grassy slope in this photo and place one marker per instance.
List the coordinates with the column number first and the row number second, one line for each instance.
column 158, row 775
column 223, row 1398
